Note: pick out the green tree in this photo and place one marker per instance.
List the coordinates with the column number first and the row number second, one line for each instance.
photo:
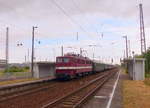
column 146, row 55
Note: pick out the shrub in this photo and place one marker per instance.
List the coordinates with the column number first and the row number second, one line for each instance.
column 26, row 68
column 14, row 69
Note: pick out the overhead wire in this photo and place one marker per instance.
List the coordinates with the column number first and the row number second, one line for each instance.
column 75, row 4
column 99, row 33
column 67, row 15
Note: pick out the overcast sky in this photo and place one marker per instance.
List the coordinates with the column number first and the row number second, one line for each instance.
column 98, row 22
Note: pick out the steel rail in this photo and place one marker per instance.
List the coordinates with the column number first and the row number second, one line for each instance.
column 84, row 99
column 105, row 77
column 22, row 91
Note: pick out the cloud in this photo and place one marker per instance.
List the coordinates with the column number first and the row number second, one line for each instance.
column 40, row 9
column 119, row 17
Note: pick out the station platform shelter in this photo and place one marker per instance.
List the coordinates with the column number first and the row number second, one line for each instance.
column 44, row 69
column 135, row 68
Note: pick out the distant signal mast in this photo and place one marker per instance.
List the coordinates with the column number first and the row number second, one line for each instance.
column 142, row 30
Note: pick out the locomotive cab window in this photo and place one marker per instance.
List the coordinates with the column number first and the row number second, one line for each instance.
column 62, row 60
column 66, row 60
column 59, row 60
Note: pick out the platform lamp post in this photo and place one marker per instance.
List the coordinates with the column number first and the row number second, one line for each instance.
column 32, row 57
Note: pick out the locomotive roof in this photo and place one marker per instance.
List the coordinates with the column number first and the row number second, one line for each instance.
column 75, row 56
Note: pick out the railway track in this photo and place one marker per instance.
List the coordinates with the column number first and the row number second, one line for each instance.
column 39, row 95
column 76, row 98
column 25, row 89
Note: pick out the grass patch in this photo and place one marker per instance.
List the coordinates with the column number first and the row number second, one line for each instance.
column 17, row 69
column 1, row 73
column 15, row 74
column 16, row 81
column 123, row 71
column 147, row 75
column 21, row 74
column 147, row 81
column 136, row 94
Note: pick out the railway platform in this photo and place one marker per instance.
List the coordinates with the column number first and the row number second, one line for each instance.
column 19, row 82
column 110, row 95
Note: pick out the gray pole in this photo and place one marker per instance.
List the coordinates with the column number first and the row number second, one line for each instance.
column 93, row 56
column 25, row 59
column 62, row 51
column 126, row 46
column 80, row 51
column 124, row 55
column 32, row 57
column 77, row 36
column 126, row 39
column 129, row 48
column 28, row 56
column 7, row 45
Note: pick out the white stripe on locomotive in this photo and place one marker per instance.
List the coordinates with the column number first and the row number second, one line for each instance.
column 81, row 67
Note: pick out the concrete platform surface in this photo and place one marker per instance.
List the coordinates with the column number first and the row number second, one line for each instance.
column 105, row 98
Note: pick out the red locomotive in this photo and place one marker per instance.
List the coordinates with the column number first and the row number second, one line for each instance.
column 72, row 65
